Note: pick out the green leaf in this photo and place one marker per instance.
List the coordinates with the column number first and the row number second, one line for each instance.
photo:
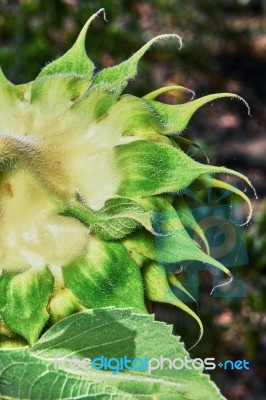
column 119, row 75
column 119, row 217
column 35, row 374
column 24, row 298
column 76, row 60
column 106, row 276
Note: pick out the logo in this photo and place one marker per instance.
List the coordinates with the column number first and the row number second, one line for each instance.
column 218, row 225
column 116, row 365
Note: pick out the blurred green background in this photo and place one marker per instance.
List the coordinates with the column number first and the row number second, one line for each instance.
column 224, row 50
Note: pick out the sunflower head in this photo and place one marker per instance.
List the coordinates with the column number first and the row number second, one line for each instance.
column 85, row 171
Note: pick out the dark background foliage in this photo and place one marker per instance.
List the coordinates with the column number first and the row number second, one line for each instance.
column 224, row 50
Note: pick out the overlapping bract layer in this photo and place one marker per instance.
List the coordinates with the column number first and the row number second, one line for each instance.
column 83, row 170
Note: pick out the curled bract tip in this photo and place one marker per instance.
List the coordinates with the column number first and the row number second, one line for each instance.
column 167, row 36
column 83, row 32
column 101, row 11
column 222, row 284
column 237, row 97
column 224, row 185
column 251, row 205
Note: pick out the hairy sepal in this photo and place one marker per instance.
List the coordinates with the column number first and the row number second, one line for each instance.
column 24, row 300
column 106, row 276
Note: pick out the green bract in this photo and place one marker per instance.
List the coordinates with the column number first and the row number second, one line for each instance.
column 85, row 169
